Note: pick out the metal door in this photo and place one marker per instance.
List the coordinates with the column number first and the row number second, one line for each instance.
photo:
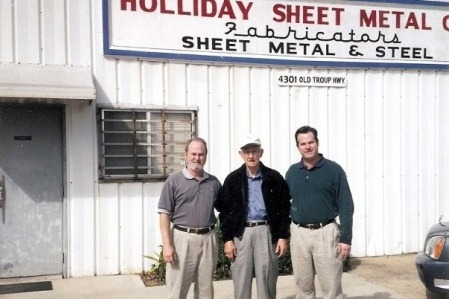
column 31, row 183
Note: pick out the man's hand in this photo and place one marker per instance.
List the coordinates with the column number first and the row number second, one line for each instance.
column 168, row 251
column 344, row 251
column 281, row 247
column 169, row 254
column 230, row 250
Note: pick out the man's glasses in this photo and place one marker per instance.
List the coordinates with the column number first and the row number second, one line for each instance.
column 255, row 152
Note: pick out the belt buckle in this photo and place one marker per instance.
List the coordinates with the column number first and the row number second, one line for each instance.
column 310, row 226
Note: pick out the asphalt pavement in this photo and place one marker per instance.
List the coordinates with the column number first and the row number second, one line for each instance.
column 131, row 286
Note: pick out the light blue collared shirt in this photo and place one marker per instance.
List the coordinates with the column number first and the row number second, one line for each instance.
column 256, row 204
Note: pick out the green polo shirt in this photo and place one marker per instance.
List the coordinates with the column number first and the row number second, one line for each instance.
column 321, row 193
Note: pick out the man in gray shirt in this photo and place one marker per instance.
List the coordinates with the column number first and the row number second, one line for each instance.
column 190, row 243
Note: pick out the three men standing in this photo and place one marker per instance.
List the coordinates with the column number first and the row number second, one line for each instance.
column 254, row 205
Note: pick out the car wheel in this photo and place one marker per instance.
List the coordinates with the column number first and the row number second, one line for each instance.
column 432, row 295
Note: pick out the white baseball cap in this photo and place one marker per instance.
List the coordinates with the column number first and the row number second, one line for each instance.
column 250, row 140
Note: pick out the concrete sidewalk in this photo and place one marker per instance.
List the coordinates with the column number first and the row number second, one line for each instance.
column 131, row 286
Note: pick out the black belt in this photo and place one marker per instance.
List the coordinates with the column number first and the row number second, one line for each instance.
column 256, row 223
column 314, row 225
column 198, row 231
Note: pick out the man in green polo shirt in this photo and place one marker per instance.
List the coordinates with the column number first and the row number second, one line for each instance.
column 320, row 192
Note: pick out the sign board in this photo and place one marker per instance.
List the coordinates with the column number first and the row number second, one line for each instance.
column 296, row 78
column 404, row 34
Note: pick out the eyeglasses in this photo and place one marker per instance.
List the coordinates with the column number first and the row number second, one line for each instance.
column 255, row 152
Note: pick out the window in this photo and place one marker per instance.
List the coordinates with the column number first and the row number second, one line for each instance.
column 144, row 144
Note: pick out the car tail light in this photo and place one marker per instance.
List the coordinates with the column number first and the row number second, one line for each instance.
column 435, row 246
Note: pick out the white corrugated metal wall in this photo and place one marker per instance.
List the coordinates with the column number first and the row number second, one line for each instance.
column 388, row 129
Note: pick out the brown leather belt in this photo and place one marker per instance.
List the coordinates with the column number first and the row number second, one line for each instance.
column 198, row 231
column 314, row 225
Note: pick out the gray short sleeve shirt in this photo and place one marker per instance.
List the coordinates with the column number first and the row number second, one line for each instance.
column 189, row 202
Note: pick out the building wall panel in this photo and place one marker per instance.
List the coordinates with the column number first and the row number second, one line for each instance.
column 128, row 82
column 54, row 33
column 356, row 152
column 81, row 178
column 27, row 31
column 260, row 113
column 318, row 111
column 374, row 170
column 130, row 227
column 176, row 84
column 80, row 31
column 153, row 83
column 105, row 78
column 150, row 224
column 427, row 149
column 6, row 31
column 410, row 156
column 442, row 146
column 338, row 131
column 280, row 131
column 392, row 163
column 299, row 113
column 107, row 223
column 217, row 133
column 240, row 111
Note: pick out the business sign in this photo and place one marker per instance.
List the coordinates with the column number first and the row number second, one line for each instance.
column 273, row 32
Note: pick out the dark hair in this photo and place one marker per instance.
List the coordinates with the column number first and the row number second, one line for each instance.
column 305, row 130
column 195, row 139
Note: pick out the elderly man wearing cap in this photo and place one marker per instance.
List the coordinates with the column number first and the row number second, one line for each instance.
column 254, row 206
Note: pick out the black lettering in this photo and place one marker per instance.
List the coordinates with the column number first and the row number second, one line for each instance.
column 276, row 50
column 188, row 42
column 380, row 51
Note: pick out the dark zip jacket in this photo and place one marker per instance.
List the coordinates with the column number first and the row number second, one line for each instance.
column 232, row 203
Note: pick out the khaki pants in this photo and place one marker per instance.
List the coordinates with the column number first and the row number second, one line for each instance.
column 255, row 255
column 197, row 260
column 315, row 252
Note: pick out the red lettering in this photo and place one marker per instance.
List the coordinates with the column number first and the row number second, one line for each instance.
column 446, row 23
column 322, row 16
column 368, row 21
column 397, row 19
column 338, row 12
column 124, row 2
column 307, row 17
column 383, row 19
column 307, row 14
column 226, row 9
column 181, row 10
column 165, row 10
column 148, row 9
column 412, row 22
column 398, row 15
column 204, row 8
column 245, row 10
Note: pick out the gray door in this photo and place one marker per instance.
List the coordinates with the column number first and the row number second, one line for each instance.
column 31, row 177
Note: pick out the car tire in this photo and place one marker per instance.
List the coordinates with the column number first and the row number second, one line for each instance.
column 432, row 295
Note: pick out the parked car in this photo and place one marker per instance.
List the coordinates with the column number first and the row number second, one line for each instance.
column 433, row 261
